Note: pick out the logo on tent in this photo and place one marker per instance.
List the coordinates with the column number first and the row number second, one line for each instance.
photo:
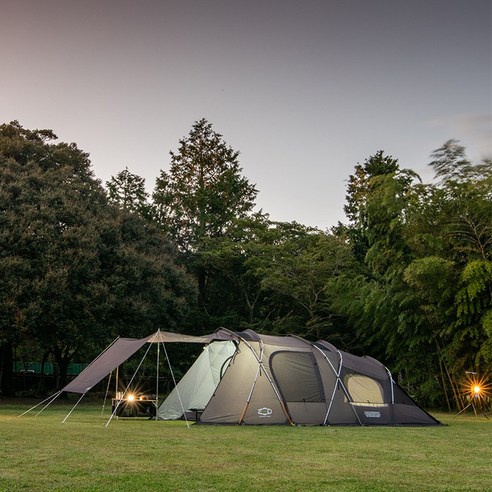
column 265, row 412
column 374, row 415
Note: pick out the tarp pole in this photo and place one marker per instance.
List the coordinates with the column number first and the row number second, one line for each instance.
column 129, row 384
column 175, row 386
column 69, row 413
column 106, row 394
column 52, row 398
column 157, row 383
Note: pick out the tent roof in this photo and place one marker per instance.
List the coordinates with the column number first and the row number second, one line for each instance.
column 123, row 348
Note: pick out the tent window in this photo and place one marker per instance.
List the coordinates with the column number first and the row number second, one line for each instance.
column 364, row 390
column 297, row 376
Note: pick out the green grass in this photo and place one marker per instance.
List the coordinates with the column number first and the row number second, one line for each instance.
column 42, row 454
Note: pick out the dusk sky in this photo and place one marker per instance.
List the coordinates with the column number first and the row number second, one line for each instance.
column 303, row 89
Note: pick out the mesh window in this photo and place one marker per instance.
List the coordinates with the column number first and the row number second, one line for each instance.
column 297, row 376
column 363, row 389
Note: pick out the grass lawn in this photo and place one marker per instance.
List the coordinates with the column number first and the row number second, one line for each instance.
column 42, row 454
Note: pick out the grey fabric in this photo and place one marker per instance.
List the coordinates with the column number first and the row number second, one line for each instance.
column 296, row 376
column 107, row 361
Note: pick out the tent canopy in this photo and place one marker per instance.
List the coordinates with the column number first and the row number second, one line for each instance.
column 122, row 349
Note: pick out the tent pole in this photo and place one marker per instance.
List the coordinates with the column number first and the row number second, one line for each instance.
column 106, row 394
column 129, row 384
column 261, row 365
column 337, row 374
column 175, row 386
column 69, row 413
column 392, row 382
column 246, row 405
column 52, row 398
column 156, row 404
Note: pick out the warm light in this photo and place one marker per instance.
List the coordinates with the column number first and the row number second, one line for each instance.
column 131, row 397
column 477, row 387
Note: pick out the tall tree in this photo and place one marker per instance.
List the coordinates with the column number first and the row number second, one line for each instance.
column 204, row 189
column 201, row 195
column 128, row 191
column 373, row 200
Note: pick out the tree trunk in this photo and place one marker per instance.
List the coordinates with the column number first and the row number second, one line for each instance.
column 7, row 370
column 62, row 362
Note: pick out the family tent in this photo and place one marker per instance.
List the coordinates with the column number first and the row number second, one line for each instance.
column 262, row 379
column 249, row 378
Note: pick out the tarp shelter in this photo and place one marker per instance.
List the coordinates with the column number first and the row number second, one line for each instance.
column 248, row 378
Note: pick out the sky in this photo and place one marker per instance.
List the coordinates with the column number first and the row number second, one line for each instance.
column 304, row 90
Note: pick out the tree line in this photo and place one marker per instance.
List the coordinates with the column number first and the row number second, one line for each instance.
column 407, row 279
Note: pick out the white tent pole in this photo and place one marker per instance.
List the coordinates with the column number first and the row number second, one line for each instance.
column 392, row 382
column 129, row 384
column 248, row 400
column 69, row 413
column 106, row 394
column 337, row 374
column 175, row 386
column 260, row 362
column 156, row 404
column 52, row 398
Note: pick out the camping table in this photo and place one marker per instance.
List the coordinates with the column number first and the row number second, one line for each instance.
column 134, row 408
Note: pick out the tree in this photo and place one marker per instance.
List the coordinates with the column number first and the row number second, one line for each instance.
column 47, row 238
column 374, row 200
column 128, row 191
column 77, row 270
column 201, row 196
column 204, row 190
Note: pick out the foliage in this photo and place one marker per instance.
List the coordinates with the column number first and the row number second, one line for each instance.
column 204, row 191
column 75, row 269
column 407, row 280
column 423, row 301
column 128, row 191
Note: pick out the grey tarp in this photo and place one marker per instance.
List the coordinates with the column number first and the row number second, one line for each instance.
column 119, row 351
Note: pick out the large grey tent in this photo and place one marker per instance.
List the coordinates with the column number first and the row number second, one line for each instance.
column 289, row 380
column 248, row 378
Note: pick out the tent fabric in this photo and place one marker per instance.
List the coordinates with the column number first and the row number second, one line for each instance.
column 282, row 380
column 119, row 351
column 196, row 387
column 123, row 348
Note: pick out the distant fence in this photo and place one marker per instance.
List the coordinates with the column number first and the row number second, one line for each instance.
column 74, row 369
